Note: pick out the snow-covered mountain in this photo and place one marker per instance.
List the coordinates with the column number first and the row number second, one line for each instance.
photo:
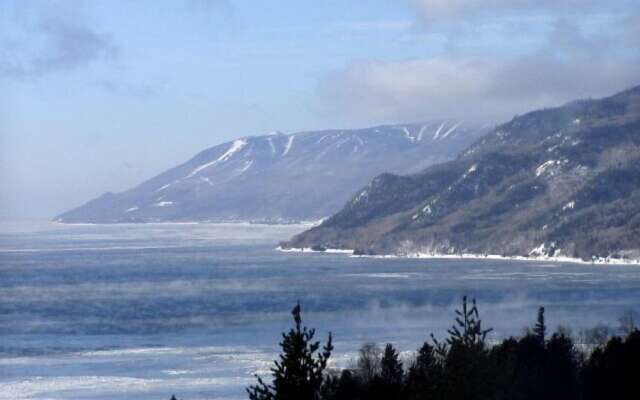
column 555, row 182
column 278, row 177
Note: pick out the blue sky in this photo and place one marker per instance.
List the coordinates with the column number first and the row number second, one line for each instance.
column 100, row 95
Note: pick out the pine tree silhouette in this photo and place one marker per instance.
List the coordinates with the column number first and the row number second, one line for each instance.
column 468, row 328
column 540, row 329
column 561, row 367
column 424, row 374
column 298, row 374
column 387, row 385
column 466, row 375
column 390, row 366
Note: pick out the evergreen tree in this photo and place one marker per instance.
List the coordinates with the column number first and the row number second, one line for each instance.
column 504, row 363
column 347, row 386
column 611, row 371
column 466, row 375
column 468, row 328
column 387, row 385
column 540, row 329
column 423, row 375
column 425, row 360
column 391, row 367
column 561, row 367
column 602, row 375
column 530, row 379
column 298, row 374
column 462, row 367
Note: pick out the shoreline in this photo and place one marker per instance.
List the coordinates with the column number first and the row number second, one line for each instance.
column 243, row 223
column 468, row 256
column 310, row 250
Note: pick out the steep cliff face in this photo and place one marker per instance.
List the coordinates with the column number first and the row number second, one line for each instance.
column 278, row 177
column 562, row 181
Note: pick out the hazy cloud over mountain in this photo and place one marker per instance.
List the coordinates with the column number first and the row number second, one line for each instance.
column 573, row 49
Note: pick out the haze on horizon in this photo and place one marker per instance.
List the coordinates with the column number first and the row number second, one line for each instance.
column 98, row 96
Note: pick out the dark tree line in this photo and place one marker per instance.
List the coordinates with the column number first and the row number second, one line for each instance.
column 462, row 367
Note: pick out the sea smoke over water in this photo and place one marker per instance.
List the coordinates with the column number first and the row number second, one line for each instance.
column 108, row 312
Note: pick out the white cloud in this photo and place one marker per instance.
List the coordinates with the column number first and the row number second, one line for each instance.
column 569, row 61
column 478, row 88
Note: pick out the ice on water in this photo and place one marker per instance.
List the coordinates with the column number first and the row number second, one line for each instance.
column 145, row 311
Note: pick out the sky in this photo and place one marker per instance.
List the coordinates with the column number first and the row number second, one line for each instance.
column 98, row 96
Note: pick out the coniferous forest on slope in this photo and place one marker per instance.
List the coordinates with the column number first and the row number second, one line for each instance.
column 601, row 363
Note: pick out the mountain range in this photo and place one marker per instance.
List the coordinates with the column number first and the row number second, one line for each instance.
column 555, row 182
column 280, row 178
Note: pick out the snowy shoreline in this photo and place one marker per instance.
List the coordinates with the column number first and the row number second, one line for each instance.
column 310, row 250
column 469, row 256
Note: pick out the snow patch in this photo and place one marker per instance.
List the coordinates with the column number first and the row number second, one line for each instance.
column 362, row 195
column 164, row 187
column 341, row 142
column 450, row 131
column 542, row 168
column 408, row 134
column 437, row 134
column 287, row 148
column 246, row 166
column 207, row 181
column 539, row 251
column 163, row 204
column 132, row 209
column 421, row 132
column 471, row 170
column 236, row 146
column 273, row 147
column 425, row 210
column 569, row 206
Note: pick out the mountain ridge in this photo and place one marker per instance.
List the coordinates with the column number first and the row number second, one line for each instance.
column 279, row 177
column 556, row 182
